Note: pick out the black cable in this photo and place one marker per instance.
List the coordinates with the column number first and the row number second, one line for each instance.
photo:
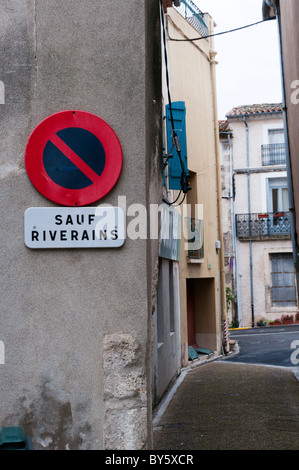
column 173, row 202
column 175, row 139
column 168, row 86
column 176, row 205
column 166, row 63
column 223, row 32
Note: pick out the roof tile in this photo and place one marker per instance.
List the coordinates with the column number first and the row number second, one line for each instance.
column 255, row 109
column 224, row 126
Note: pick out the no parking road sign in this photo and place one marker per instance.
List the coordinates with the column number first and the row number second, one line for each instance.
column 73, row 158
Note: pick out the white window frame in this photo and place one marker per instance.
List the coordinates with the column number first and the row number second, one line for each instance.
column 276, row 183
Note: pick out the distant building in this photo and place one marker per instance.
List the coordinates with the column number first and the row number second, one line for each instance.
column 259, row 260
column 287, row 15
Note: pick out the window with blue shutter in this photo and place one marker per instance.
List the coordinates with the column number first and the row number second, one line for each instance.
column 175, row 167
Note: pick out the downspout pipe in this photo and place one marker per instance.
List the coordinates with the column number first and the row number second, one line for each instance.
column 225, row 339
column 233, row 222
column 287, row 145
column 234, row 238
column 249, row 218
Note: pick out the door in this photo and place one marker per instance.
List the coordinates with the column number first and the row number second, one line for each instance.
column 278, row 203
column 278, row 200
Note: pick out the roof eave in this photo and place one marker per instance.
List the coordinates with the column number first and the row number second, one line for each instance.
column 235, row 116
column 268, row 11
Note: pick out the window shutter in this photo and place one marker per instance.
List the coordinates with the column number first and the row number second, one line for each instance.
column 179, row 117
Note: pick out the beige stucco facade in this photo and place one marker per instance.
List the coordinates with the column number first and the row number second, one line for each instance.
column 191, row 78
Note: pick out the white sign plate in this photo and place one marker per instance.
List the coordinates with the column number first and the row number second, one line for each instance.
column 72, row 227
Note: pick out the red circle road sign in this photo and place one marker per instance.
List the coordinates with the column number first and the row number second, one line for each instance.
column 73, row 158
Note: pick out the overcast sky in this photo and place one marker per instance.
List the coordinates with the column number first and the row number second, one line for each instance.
column 248, row 70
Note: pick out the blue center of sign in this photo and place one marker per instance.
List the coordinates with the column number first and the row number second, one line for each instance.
column 62, row 170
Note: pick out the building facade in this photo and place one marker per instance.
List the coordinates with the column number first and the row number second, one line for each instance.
column 195, row 268
column 259, row 257
column 75, row 323
column 287, row 14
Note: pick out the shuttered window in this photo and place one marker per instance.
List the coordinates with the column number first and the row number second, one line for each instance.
column 283, row 280
column 175, row 168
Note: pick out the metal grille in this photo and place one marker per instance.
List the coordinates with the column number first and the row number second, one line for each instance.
column 263, row 225
column 195, row 230
column 194, row 16
column 273, row 154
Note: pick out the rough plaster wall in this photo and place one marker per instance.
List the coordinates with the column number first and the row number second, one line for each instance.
column 57, row 306
column 153, row 115
column 125, row 393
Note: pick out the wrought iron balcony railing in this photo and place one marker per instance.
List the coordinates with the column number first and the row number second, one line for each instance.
column 194, row 16
column 195, row 231
column 269, row 225
column 273, row 154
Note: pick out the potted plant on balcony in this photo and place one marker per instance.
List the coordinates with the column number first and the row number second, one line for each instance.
column 263, row 216
column 287, row 319
column 279, row 214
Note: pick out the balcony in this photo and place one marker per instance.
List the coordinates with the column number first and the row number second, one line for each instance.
column 273, row 154
column 194, row 16
column 195, row 239
column 263, row 226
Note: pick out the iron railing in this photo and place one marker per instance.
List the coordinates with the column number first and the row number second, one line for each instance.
column 195, row 233
column 273, row 154
column 194, row 16
column 268, row 225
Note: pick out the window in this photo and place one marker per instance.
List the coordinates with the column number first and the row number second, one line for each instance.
column 283, row 280
column 175, row 164
column 225, row 168
column 172, row 305
column 278, row 198
column 160, row 307
column 166, row 300
column 274, row 152
column 276, row 136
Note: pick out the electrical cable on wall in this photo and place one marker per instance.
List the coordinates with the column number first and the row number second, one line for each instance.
column 218, row 34
column 175, row 139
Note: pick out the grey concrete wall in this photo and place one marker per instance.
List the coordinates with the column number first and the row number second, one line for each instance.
column 75, row 323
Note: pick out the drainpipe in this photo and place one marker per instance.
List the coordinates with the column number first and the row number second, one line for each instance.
column 249, row 217
column 233, row 230
column 219, row 209
column 287, row 146
column 234, row 237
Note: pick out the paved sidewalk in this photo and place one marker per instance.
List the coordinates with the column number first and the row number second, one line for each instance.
column 229, row 406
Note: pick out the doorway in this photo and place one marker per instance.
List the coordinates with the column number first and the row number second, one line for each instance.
column 201, row 313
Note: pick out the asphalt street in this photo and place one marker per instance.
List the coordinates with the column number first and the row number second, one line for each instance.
column 228, row 404
column 268, row 345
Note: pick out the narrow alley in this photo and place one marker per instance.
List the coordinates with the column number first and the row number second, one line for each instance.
column 226, row 406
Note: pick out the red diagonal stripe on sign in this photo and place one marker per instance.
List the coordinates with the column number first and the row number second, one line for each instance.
column 74, row 158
